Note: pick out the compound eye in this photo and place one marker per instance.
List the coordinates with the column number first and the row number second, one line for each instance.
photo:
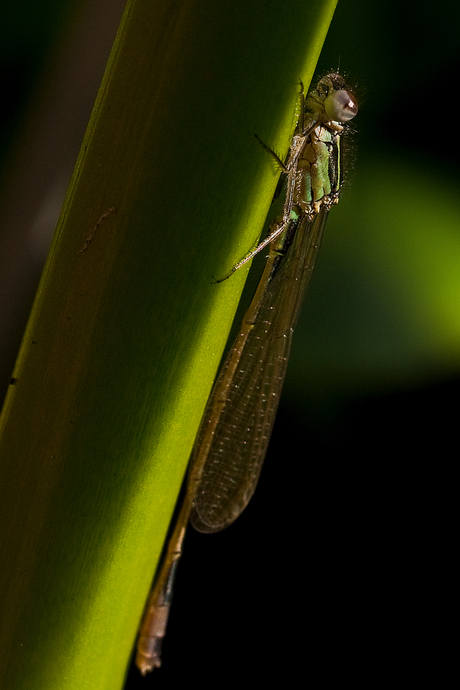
column 340, row 106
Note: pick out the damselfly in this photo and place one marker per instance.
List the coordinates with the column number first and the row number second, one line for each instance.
column 236, row 427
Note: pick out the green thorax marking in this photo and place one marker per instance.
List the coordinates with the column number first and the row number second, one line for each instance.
column 318, row 181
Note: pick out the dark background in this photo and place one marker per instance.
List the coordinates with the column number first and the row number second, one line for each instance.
column 340, row 568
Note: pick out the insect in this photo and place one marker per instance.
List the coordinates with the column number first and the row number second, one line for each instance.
column 238, row 421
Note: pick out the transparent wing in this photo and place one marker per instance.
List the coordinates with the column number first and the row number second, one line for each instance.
column 241, row 437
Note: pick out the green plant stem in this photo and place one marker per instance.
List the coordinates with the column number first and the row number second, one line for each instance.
column 127, row 328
